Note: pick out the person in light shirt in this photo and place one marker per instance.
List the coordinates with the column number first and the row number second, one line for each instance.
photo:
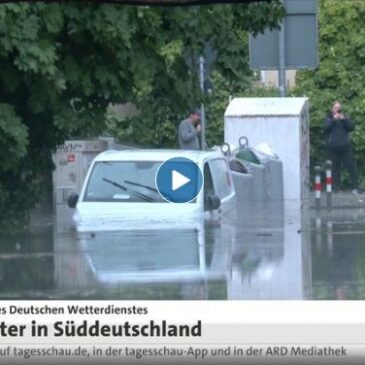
column 189, row 131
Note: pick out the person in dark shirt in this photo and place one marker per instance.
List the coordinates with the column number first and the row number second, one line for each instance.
column 337, row 127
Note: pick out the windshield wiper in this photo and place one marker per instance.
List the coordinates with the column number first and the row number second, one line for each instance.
column 128, row 190
column 141, row 185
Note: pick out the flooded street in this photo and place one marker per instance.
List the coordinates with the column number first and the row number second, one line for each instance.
column 338, row 256
column 265, row 252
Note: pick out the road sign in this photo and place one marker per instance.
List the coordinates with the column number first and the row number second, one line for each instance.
column 300, row 39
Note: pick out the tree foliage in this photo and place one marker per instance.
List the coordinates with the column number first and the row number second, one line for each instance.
column 165, row 103
column 62, row 64
column 341, row 75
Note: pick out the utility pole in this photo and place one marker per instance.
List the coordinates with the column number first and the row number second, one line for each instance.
column 281, row 46
column 202, row 109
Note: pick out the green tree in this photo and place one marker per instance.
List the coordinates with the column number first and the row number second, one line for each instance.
column 341, row 75
column 163, row 105
column 63, row 64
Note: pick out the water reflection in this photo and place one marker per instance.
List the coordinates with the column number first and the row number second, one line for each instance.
column 27, row 265
column 262, row 251
column 256, row 253
column 339, row 255
column 172, row 263
column 275, row 260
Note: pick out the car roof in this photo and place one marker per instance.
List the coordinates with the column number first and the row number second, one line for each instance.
column 155, row 155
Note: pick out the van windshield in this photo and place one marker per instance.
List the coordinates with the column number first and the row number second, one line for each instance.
column 123, row 181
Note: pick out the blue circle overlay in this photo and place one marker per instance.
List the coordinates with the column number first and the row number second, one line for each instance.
column 186, row 173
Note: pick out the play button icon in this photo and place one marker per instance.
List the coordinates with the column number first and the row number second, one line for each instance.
column 179, row 180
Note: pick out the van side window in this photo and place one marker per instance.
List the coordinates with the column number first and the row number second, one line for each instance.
column 208, row 182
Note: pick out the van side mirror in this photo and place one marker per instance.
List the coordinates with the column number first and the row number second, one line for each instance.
column 212, row 202
column 72, row 200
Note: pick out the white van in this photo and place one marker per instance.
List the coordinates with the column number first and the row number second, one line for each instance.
column 119, row 191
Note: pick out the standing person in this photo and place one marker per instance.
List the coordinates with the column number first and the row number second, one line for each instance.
column 189, row 130
column 337, row 127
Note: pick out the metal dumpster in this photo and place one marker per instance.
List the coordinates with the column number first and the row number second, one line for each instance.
column 243, row 184
column 257, row 172
column 273, row 176
column 248, row 158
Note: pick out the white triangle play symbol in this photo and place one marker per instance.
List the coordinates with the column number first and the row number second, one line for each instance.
column 178, row 180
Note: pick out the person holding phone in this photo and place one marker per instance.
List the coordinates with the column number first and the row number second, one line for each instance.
column 338, row 127
column 189, row 131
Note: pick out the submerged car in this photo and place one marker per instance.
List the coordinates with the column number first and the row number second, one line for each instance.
column 120, row 190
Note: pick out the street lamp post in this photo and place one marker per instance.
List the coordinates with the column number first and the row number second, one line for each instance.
column 201, row 79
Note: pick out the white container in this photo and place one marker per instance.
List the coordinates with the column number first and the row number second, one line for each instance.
column 72, row 161
column 283, row 123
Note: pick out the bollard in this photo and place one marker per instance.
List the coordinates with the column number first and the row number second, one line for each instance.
column 329, row 184
column 319, row 233
column 330, row 238
column 317, row 186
